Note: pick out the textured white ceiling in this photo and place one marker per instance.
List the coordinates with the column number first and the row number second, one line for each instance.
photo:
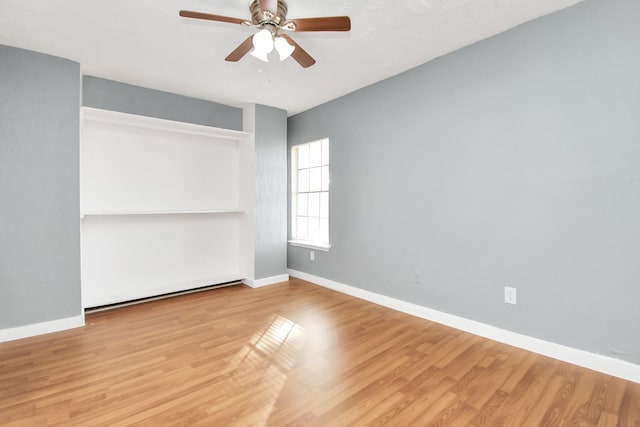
column 145, row 42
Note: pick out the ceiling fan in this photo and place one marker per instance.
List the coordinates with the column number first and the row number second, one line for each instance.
column 270, row 17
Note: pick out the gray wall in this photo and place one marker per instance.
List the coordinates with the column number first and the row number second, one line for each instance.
column 39, row 188
column 515, row 161
column 271, row 192
column 116, row 96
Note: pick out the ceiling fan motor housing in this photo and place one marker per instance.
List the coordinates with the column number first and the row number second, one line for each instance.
column 260, row 17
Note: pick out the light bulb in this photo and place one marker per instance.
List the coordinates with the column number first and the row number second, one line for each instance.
column 284, row 48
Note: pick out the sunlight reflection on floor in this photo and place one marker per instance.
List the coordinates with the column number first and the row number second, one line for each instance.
column 262, row 365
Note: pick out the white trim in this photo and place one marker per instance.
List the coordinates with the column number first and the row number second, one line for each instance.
column 125, row 213
column 135, row 120
column 258, row 283
column 32, row 330
column 597, row 362
column 121, row 293
column 160, row 297
column 310, row 245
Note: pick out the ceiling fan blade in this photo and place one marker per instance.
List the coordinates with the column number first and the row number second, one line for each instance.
column 299, row 54
column 208, row 16
column 270, row 5
column 329, row 23
column 241, row 50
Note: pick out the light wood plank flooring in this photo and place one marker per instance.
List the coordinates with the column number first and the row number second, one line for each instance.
column 292, row 354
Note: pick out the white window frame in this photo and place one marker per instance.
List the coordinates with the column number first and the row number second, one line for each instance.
column 321, row 194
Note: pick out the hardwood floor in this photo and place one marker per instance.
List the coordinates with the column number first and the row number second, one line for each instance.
column 292, row 354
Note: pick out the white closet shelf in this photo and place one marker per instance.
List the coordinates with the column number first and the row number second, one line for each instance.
column 133, row 120
column 126, row 213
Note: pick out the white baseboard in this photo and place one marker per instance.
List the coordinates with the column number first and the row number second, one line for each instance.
column 258, row 283
column 597, row 362
column 119, row 293
column 26, row 331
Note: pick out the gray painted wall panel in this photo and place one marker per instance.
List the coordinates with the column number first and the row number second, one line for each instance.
column 271, row 192
column 515, row 161
column 39, row 188
column 116, row 96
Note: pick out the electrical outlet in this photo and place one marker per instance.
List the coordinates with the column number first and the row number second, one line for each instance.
column 417, row 277
column 509, row 295
column 312, row 256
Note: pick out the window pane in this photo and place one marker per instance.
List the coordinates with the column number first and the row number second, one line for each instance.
column 315, row 154
column 324, row 205
column 325, row 152
column 310, row 185
column 303, row 156
column 314, row 204
column 324, row 231
column 302, row 204
column 301, row 232
column 303, row 181
column 325, row 178
column 315, row 179
column 314, row 229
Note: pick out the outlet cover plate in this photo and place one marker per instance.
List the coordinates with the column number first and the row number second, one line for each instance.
column 417, row 277
column 510, row 296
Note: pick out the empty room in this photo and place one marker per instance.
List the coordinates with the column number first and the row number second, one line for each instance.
column 338, row 213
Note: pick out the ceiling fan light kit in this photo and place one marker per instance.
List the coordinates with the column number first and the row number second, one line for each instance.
column 263, row 44
column 270, row 18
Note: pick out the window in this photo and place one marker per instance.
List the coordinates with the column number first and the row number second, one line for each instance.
column 310, row 195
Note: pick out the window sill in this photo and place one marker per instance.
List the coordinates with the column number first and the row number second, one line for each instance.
column 310, row 245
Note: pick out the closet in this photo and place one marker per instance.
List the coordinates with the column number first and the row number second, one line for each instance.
column 162, row 206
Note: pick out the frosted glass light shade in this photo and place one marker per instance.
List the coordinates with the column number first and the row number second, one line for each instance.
column 263, row 40
column 262, row 56
column 284, row 48
column 262, row 45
